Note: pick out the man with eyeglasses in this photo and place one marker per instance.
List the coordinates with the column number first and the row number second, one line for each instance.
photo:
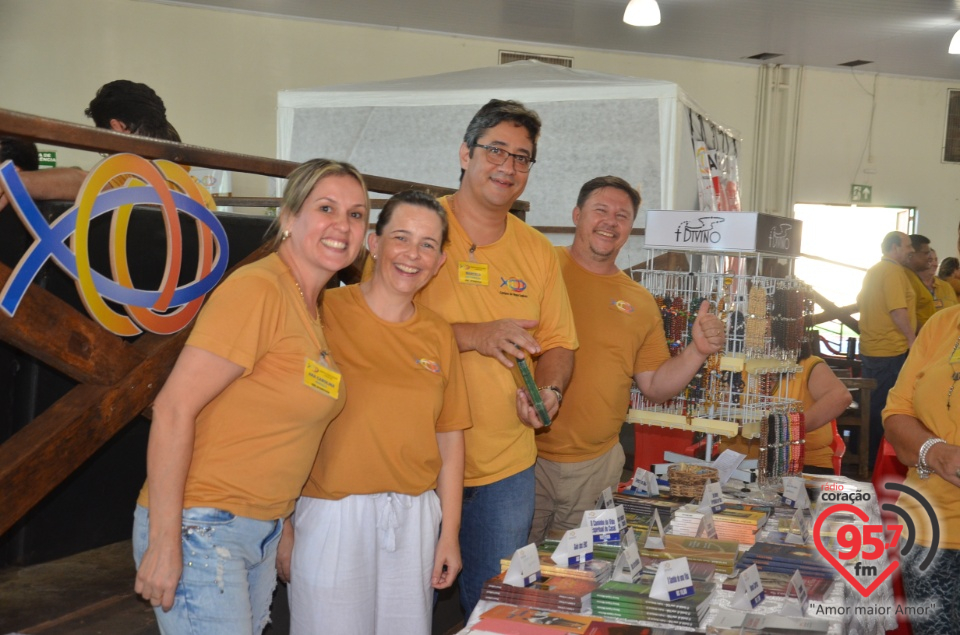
column 502, row 291
column 621, row 341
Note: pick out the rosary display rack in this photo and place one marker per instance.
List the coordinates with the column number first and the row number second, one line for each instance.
column 742, row 389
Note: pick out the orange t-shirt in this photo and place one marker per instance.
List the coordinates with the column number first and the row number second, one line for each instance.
column 522, row 281
column 621, row 334
column 406, row 385
column 255, row 442
column 922, row 391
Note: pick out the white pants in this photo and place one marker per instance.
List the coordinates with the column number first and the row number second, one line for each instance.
column 362, row 565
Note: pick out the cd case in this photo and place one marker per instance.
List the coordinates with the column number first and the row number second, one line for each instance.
column 524, row 378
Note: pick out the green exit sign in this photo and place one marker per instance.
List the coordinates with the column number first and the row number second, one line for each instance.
column 48, row 159
column 861, row 193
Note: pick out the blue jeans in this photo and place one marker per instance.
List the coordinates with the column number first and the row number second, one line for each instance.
column 229, row 572
column 495, row 522
column 885, row 371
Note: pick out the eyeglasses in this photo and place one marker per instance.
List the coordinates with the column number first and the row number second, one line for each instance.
column 498, row 156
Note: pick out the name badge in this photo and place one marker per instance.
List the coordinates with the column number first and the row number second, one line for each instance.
column 473, row 273
column 321, row 378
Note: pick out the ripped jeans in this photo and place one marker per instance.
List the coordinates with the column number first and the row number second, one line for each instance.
column 229, row 572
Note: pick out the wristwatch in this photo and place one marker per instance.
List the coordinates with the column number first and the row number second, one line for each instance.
column 923, row 469
column 555, row 390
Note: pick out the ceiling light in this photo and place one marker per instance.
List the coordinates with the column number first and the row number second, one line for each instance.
column 642, row 13
column 954, row 43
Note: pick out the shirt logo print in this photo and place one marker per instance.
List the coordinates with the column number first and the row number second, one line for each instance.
column 622, row 305
column 516, row 285
column 430, row 365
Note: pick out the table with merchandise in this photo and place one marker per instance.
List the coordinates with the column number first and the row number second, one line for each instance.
column 755, row 527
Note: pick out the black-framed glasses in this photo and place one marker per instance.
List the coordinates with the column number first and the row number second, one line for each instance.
column 498, row 156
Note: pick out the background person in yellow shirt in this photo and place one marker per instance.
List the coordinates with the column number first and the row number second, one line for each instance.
column 237, row 424
column 949, row 272
column 943, row 294
column 366, row 557
column 918, row 265
column 888, row 325
column 502, row 291
column 621, row 340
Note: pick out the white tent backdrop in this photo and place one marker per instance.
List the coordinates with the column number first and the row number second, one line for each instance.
column 593, row 124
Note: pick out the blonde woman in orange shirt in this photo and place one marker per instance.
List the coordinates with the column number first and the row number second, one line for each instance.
column 237, row 424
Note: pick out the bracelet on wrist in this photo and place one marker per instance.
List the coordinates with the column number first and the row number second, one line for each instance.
column 555, row 391
column 923, row 468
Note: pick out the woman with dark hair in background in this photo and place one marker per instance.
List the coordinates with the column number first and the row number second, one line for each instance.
column 949, row 272
column 824, row 398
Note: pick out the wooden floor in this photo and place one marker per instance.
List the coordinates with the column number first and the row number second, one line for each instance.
column 91, row 593
column 85, row 594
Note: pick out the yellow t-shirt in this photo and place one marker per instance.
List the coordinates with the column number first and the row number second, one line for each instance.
column 944, row 292
column 406, row 384
column 255, row 442
column 954, row 284
column 523, row 282
column 927, row 305
column 621, row 334
column 921, row 391
column 817, row 450
column 885, row 287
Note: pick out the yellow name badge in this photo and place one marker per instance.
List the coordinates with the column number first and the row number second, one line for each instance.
column 321, row 378
column 955, row 358
column 473, row 273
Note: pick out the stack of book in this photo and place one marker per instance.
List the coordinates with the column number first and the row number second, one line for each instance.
column 611, row 628
column 732, row 524
column 699, row 571
column 722, row 553
column 732, row 622
column 623, row 600
column 643, row 506
column 775, row 584
column 566, row 595
column 518, row 620
column 787, row 559
column 596, row 570
column 601, row 550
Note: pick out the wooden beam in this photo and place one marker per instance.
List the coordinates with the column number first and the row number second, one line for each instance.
column 844, row 314
column 41, row 455
column 49, row 329
column 835, row 314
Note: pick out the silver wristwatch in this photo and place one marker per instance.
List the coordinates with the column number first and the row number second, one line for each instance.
column 923, row 469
